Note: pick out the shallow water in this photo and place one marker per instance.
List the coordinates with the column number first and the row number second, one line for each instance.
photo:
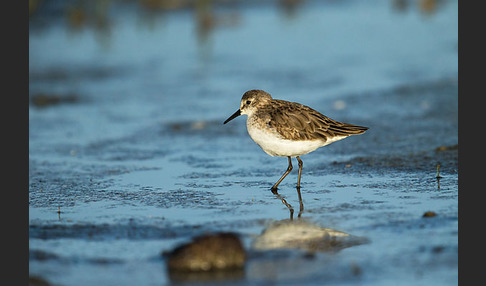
column 133, row 159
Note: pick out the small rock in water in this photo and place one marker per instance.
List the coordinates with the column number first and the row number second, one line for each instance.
column 289, row 234
column 429, row 214
column 220, row 251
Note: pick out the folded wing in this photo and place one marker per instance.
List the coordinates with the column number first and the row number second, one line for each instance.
column 299, row 122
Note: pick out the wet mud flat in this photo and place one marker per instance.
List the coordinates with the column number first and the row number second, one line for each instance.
column 129, row 159
column 114, row 210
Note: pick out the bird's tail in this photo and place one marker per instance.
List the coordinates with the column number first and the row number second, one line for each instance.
column 346, row 129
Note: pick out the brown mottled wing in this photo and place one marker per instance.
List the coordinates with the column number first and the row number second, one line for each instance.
column 299, row 122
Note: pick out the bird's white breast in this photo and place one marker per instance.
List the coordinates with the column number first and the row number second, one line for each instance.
column 274, row 145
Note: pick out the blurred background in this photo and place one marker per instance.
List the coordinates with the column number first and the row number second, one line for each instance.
column 172, row 51
column 128, row 155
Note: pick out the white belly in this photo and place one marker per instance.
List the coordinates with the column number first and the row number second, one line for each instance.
column 275, row 145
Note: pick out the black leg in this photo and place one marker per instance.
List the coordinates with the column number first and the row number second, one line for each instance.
column 274, row 187
column 301, row 164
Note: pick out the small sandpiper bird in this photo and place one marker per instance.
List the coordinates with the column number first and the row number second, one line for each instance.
column 289, row 129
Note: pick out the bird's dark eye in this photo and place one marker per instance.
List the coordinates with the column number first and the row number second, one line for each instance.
column 248, row 102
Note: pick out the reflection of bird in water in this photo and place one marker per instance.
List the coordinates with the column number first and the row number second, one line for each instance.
column 289, row 206
column 289, row 129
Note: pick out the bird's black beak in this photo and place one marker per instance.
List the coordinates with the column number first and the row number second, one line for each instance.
column 236, row 114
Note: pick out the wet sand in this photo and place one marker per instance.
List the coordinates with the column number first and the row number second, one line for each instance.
column 128, row 156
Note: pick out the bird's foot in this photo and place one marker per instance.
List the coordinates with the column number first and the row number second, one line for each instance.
column 274, row 190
